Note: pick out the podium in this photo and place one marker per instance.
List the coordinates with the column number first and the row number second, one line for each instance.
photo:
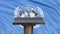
column 28, row 17
column 28, row 23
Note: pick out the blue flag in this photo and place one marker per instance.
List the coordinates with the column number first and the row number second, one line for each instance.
column 51, row 9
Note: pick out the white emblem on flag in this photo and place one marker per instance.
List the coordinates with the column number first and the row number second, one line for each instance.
column 16, row 14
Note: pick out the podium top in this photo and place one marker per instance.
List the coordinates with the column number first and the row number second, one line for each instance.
column 28, row 21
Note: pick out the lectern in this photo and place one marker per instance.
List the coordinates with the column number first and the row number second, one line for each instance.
column 28, row 22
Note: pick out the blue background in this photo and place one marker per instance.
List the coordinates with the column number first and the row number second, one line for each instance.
column 51, row 10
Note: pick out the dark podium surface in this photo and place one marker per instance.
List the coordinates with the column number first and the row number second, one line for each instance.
column 28, row 21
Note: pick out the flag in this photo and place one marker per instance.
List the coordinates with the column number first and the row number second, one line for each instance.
column 51, row 9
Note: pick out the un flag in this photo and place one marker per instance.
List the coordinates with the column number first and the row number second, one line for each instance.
column 51, row 9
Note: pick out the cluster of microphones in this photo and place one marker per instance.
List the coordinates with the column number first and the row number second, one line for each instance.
column 28, row 13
